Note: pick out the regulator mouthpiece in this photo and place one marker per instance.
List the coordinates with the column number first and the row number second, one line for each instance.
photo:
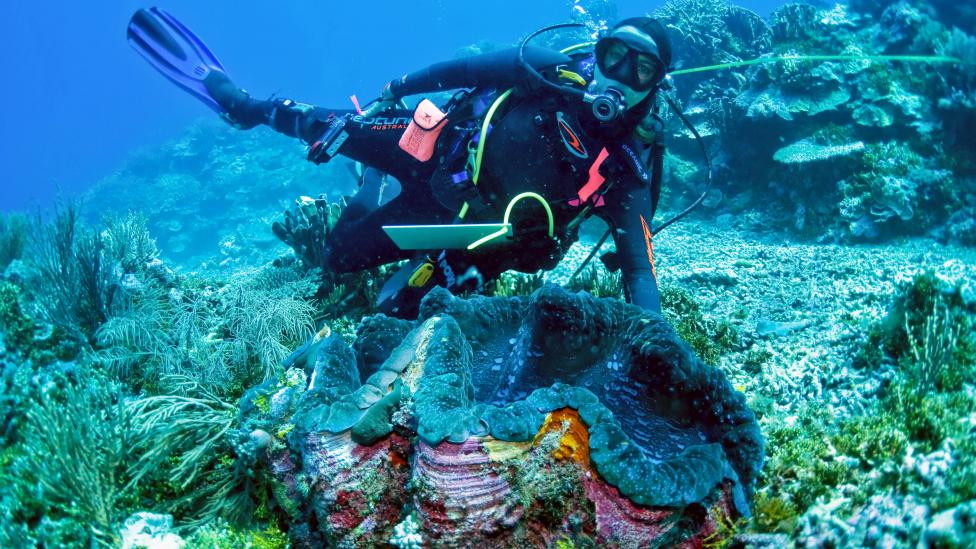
column 608, row 105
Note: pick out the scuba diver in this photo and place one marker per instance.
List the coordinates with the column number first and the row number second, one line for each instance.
column 538, row 138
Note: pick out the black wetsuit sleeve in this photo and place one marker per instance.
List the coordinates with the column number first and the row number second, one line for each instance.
column 499, row 69
column 629, row 210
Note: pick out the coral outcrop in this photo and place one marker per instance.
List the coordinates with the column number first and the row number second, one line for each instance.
column 507, row 421
column 852, row 149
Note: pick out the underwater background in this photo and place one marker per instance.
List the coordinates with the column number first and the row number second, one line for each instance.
column 826, row 290
column 78, row 83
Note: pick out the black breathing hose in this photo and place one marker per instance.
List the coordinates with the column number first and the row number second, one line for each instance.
column 536, row 74
column 686, row 211
column 708, row 167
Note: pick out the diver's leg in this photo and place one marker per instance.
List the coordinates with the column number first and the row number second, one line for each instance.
column 373, row 140
column 360, row 243
column 375, row 189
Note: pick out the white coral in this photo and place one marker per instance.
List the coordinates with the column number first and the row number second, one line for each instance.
column 406, row 535
column 835, row 17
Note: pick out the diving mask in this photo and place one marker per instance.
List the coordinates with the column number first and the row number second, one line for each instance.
column 628, row 68
column 619, row 59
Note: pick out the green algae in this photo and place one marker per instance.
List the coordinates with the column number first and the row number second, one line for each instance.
column 709, row 338
column 773, row 513
column 817, row 454
column 224, row 536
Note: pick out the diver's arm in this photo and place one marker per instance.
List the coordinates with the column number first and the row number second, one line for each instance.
column 629, row 211
column 498, row 68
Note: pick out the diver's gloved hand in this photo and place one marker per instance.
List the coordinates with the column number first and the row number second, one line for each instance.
column 385, row 102
column 240, row 109
column 306, row 228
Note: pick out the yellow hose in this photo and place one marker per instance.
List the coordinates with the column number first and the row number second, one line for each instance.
column 508, row 214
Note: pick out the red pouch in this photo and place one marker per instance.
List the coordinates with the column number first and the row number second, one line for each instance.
column 421, row 135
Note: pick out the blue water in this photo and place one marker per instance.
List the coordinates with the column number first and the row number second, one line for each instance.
column 76, row 99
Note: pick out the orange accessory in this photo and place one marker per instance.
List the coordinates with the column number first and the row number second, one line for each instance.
column 650, row 247
column 421, row 135
column 593, row 183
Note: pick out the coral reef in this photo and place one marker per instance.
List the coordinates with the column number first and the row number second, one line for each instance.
column 906, row 118
column 827, row 474
column 511, row 420
column 713, row 31
column 78, row 427
column 89, row 389
column 144, row 396
column 210, row 196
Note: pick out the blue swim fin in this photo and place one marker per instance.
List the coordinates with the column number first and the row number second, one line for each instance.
column 175, row 51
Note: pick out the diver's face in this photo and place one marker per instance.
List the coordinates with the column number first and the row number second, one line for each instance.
column 602, row 83
column 623, row 66
column 639, row 70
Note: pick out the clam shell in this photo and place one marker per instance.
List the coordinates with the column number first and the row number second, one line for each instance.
column 460, row 492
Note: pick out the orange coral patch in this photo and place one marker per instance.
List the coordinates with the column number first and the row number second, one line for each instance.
column 574, row 440
column 397, row 460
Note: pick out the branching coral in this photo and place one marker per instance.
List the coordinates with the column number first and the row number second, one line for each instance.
column 924, row 107
column 82, row 277
column 791, row 88
column 128, row 243
column 697, row 25
column 890, row 186
column 224, row 339
column 262, row 325
column 191, row 438
column 76, row 455
column 72, row 282
column 713, row 31
column 137, row 337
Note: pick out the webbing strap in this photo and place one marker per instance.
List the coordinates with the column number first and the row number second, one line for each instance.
column 595, row 181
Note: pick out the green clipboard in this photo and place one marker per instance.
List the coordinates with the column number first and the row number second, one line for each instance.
column 444, row 237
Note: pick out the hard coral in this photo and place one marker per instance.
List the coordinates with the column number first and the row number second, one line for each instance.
column 806, row 151
column 713, row 31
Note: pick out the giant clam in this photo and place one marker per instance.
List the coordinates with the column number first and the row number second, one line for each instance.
column 499, row 422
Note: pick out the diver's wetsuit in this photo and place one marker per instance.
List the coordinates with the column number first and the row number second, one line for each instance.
column 543, row 142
